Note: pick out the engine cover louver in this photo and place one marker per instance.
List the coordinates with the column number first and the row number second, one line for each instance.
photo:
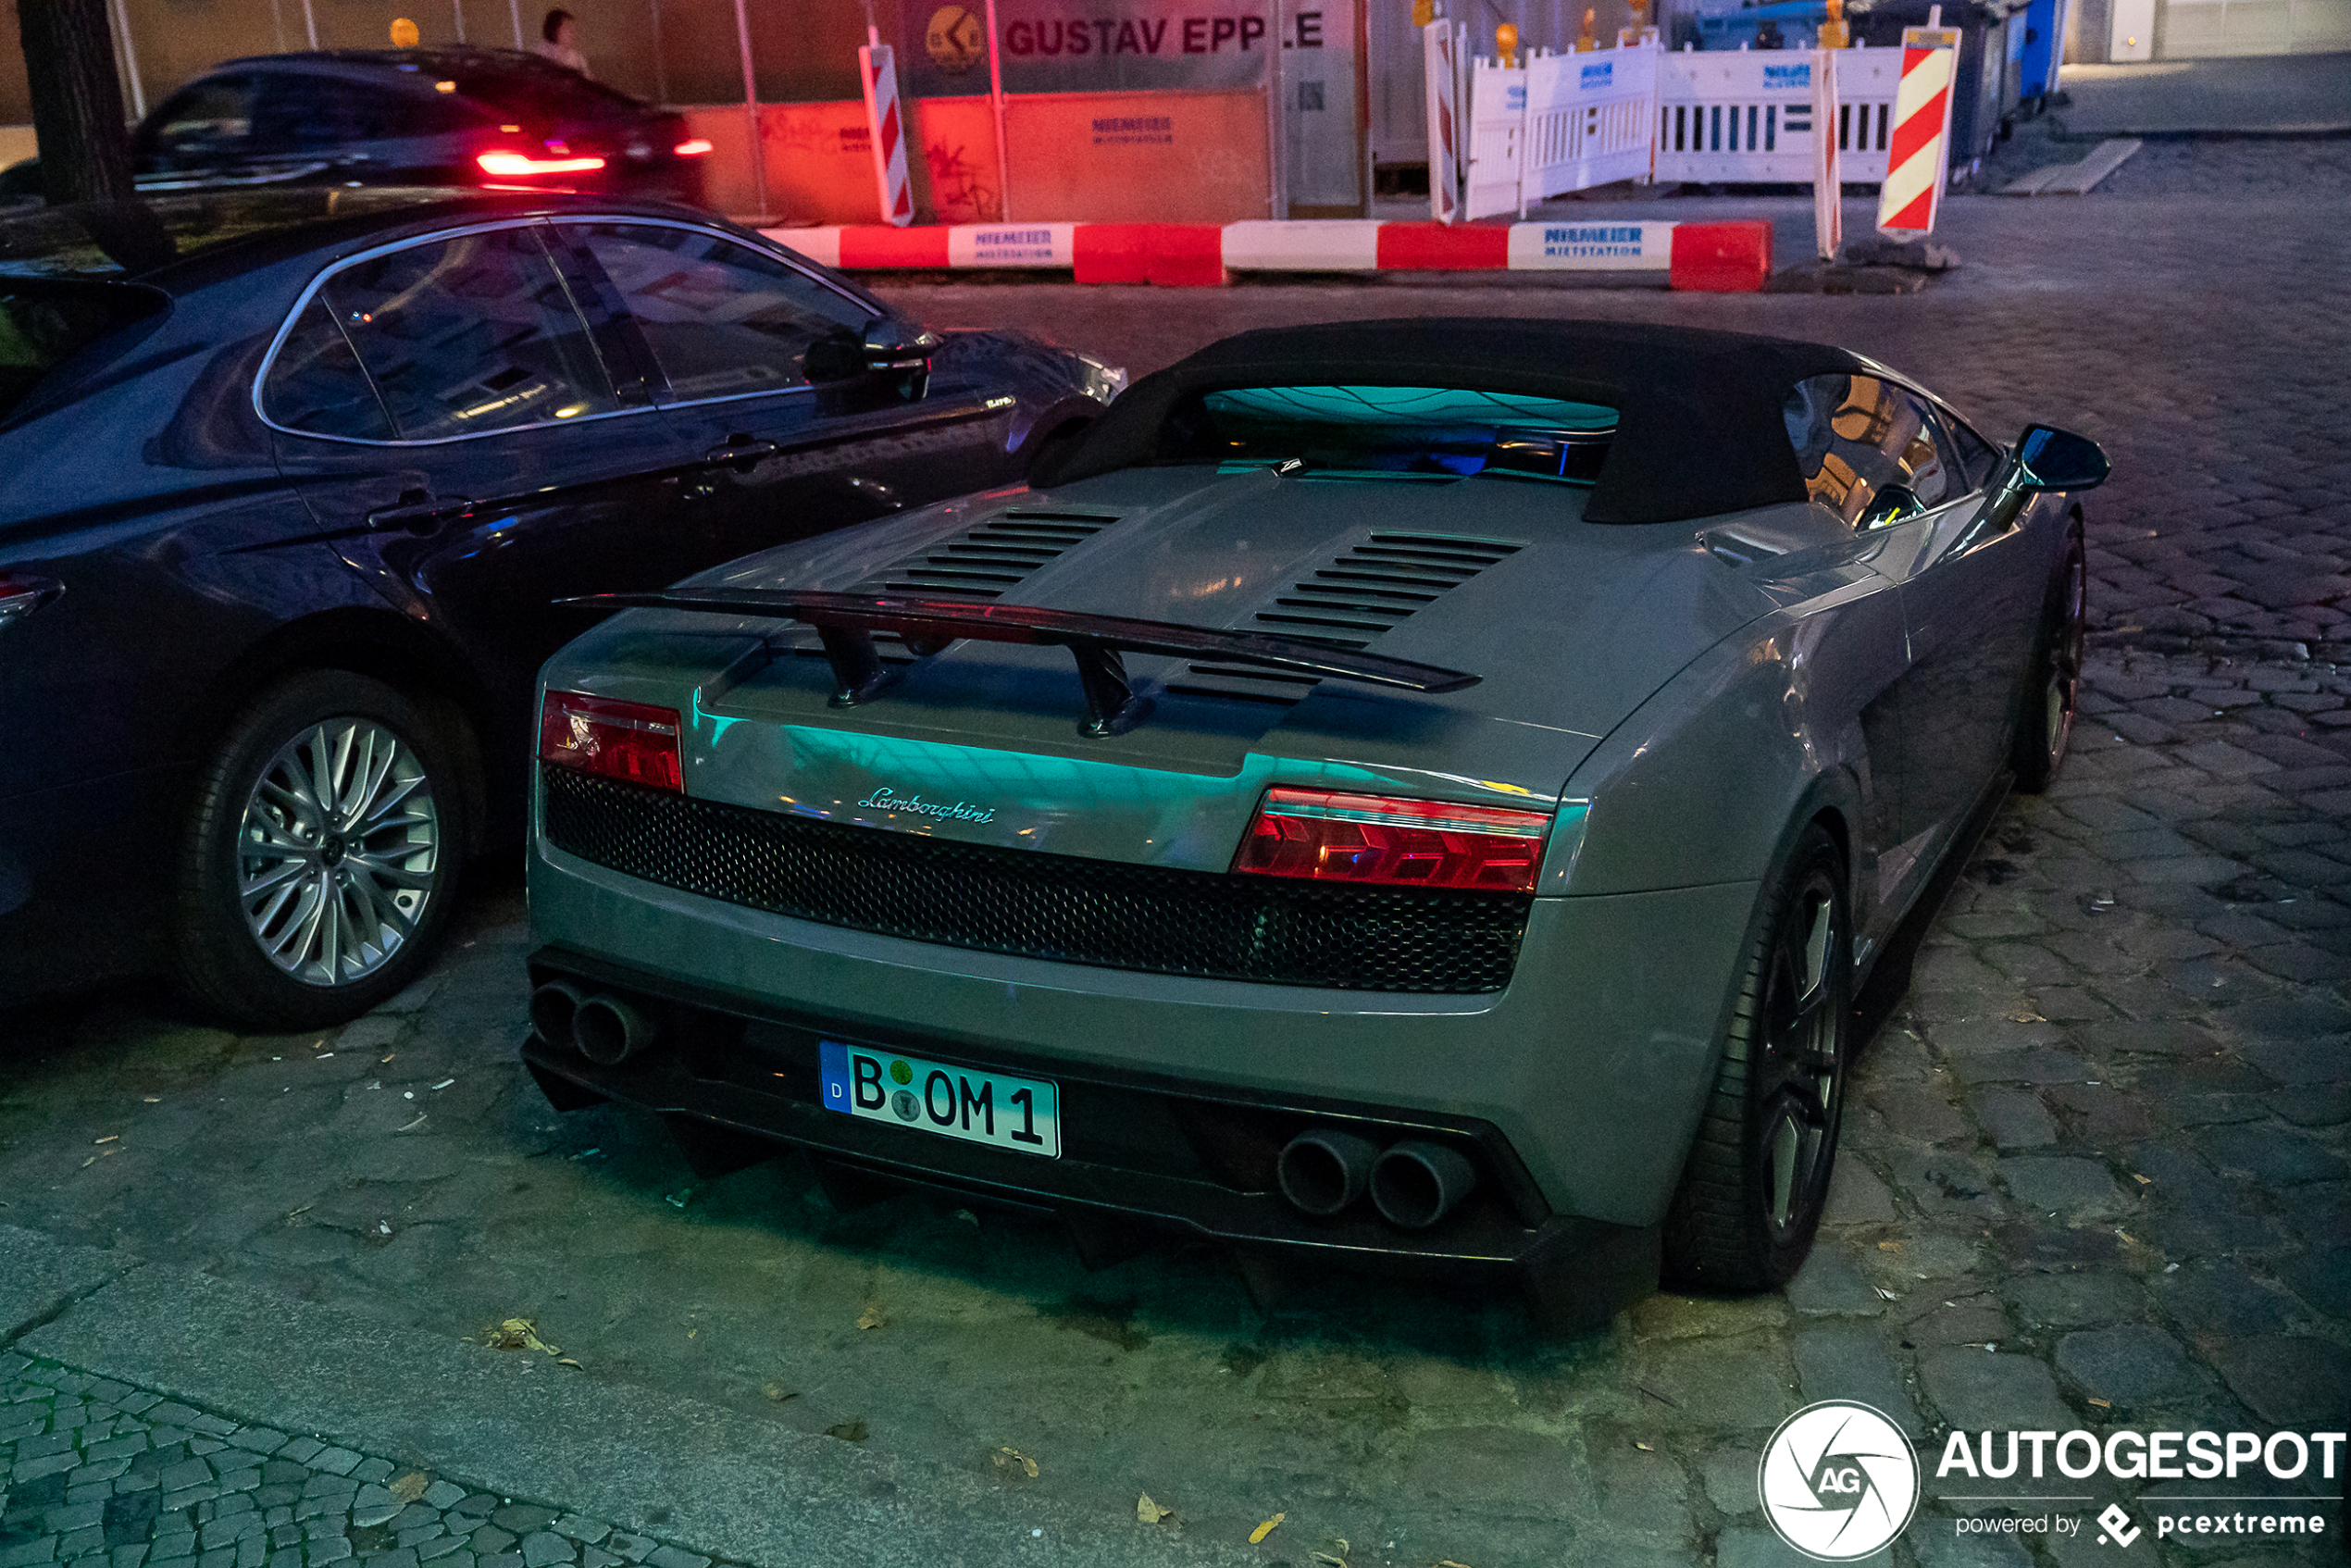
column 989, row 559
column 1369, row 589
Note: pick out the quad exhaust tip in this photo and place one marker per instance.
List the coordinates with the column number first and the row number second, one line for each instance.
column 1323, row 1170
column 1413, row 1184
column 604, row 1028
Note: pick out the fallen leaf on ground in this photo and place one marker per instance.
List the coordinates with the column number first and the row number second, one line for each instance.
column 1889, row 1246
column 154, row 1099
column 778, row 1392
column 1013, row 1459
column 1449, row 1562
column 2026, row 1017
column 89, row 1162
column 2143, row 1181
column 872, row 1318
column 408, row 1488
column 108, row 1138
column 517, row 1334
column 1644, row 1447
column 2102, row 1404
column 413, row 1125
column 1266, row 1529
column 1148, row 1511
column 444, row 1083
column 566, row 1360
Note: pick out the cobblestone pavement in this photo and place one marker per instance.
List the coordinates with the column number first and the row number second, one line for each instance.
column 102, row 1473
column 2098, row 1172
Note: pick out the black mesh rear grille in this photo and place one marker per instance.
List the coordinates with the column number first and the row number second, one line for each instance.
column 1061, row 907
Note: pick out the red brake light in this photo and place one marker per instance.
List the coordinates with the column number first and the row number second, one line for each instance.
column 1327, row 836
column 632, row 742
column 692, row 149
column 508, row 166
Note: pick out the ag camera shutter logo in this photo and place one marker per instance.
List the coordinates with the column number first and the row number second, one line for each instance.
column 1839, row 1481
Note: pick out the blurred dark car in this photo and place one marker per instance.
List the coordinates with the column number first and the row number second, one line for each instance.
column 407, row 117
column 288, row 481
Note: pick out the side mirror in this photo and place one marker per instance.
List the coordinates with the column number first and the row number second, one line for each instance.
column 892, row 346
column 2053, row 459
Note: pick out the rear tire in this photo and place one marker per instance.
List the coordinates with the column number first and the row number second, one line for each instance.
column 2045, row 724
column 321, row 859
column 1757, row 1177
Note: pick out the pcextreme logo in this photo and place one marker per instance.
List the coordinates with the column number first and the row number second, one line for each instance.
column 1838, row 1480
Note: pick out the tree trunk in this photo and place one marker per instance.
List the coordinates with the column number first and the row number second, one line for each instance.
column 76, row 100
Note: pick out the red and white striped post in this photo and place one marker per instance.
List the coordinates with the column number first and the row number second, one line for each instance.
column 876, row 70
column 1828, row 208
column 1912, row 193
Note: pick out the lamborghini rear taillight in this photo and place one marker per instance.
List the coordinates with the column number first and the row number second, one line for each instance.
column 632, row 742
column 1327, row 836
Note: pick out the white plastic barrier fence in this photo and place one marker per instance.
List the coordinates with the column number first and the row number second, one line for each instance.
column 1747, row 116
column 1441, row 42
column 1588, row 121
column 1498, row 128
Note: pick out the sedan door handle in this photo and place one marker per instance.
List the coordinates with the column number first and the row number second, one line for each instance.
column 418, row 512
column 740, row 454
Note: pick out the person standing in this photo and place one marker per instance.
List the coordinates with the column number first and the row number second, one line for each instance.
column 559, row 41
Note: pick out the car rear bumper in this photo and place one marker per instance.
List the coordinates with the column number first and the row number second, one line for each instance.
column 1589, row 1068
column 1140, row 1152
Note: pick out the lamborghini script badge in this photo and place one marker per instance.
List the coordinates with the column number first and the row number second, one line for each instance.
column 883, row 799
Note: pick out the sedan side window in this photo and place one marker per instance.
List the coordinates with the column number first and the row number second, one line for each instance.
column 210, row 121
column 722, row 319
column 315, row 386
column 469, row 335
column 1869, row 451
column 301, row 112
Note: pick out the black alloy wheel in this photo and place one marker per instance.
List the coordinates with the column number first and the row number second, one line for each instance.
column 321, row 859
column 1757, row 1178
column 2045, row 724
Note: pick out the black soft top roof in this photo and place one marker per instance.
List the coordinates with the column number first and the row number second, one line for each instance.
column 1699, row 430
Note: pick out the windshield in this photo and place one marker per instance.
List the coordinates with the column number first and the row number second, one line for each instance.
column 1438, row 432
column 43, row 324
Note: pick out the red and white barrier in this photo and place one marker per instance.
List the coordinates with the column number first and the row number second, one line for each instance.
column 1718, row 257
column 1912, row 193
column 879, row 74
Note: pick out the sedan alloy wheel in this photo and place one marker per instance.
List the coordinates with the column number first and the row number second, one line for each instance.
column 337, row 850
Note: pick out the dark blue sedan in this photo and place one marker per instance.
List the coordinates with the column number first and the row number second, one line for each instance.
column 289, row 482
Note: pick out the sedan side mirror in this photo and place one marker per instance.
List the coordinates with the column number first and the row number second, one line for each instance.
column 888, row 349
column 892, row 346
column 2053, row 459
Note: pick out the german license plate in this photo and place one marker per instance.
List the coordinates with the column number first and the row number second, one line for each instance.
column 1003, row 1112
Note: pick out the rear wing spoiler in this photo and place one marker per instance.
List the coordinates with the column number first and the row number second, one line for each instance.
column 846, row 623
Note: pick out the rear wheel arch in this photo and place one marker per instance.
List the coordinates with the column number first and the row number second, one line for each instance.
column 382, row 646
